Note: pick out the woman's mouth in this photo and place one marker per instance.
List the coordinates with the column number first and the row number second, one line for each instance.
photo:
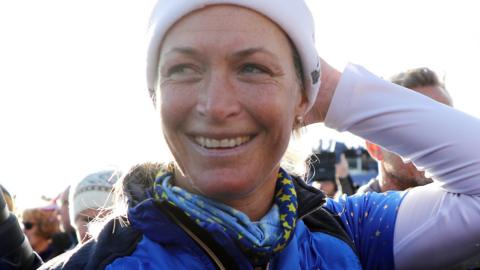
column 210, row 143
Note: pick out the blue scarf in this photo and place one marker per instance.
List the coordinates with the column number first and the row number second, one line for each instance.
column 259, row 240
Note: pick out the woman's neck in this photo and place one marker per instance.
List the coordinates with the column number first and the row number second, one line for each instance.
column 255, row 204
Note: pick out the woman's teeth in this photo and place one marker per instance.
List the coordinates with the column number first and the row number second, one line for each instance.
column 224, row 143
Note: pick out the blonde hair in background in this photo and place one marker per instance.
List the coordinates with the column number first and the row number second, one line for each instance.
column 295, row 157
column 45, row 220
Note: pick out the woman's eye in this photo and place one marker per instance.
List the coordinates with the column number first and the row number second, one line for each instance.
column 253, row 69
column 184, row 73
column 181, row 70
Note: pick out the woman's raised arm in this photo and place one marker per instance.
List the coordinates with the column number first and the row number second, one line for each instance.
column 437, row 224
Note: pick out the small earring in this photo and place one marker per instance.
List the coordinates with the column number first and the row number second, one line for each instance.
column 298, row 120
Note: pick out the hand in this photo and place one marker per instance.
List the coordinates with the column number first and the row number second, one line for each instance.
column 329, row 80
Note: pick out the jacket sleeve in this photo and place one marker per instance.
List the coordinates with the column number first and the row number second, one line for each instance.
column 117, row 239
column 438, row 221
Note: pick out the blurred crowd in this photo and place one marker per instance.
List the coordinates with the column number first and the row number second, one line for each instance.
column 66, row 220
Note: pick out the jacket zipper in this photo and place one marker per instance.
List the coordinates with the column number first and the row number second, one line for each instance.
column 210, row 253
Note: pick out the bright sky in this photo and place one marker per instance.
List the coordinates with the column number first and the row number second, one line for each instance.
column 73, row 96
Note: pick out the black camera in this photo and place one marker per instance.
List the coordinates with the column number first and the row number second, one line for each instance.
column 15, row 250
column 321, row 167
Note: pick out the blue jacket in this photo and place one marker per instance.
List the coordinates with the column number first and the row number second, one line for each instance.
column 161, row 236
column 167, row 246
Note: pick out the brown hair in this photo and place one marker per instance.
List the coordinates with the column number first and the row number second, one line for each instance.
column 416, row 78
column 45, row 220
column 140, row 178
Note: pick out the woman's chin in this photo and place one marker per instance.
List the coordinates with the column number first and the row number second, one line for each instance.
column 227, row 183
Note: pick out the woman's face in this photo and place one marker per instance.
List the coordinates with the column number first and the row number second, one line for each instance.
column 229, row 97
column 30, row 228
column 81, row 223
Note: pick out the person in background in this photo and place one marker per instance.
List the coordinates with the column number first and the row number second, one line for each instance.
column 342, row 172
column 322, row 173
column 394, row 172
column 68, row 236
column 40, row 225
column 329, row 172
column 91, row 198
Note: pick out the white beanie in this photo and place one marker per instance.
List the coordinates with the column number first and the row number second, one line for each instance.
column 293, row 16
column 92, row 192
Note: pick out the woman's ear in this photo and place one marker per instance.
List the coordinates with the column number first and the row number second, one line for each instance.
column 374, row 150
column 300, row 111
column 301, row 106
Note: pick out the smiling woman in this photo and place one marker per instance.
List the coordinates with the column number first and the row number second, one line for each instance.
column 228, row 100
column 231, row 80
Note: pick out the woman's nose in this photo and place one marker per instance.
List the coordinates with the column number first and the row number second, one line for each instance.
column 218, row 100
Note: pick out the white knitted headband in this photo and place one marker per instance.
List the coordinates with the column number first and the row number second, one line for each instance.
column 293, row 16
column 92, row 192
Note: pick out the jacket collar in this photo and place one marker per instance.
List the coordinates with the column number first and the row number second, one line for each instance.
column 308, row 197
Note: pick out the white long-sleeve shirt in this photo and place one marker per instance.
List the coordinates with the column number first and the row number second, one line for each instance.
column 437, row 224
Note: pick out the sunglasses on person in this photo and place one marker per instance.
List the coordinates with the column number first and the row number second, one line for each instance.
column 28, row 225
